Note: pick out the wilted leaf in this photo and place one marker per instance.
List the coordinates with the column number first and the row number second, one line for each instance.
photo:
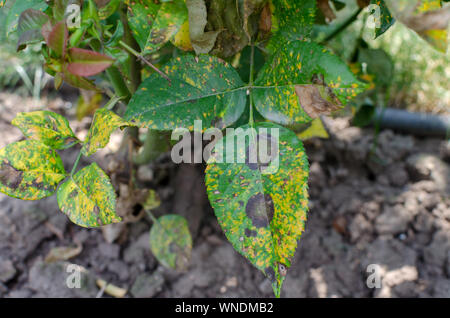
column 202, row 41
column 48, row 127
column 63, row 253
column 103, row 124
column 171, row 242
column 261, row 203
column 110, row 289
column 57, row 39
column 88, row 198
column 200, row 88
column 302, row 81
column 29, row 170
column 316, row 129
column 87, row 63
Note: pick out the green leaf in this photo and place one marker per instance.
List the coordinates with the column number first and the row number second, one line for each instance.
column 141, row 14
column 261, row 206
column 109, row 9
column 293, row 20
column 168, row 22
column 88, row 198
column 315, row 129
column 302, row 81
column 17, row 8
column 29, row 170
column 48, row 127
column 103, row 124
column 30, row 25
column 77, row 81
column 171, row 242
column 386, row 18
column 200, row 88
column 57, row 39
column 87, row 63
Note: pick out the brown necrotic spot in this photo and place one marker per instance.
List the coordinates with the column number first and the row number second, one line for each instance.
column 270, row 273
column 10, row 176
column 250, row 233
column 260, row 209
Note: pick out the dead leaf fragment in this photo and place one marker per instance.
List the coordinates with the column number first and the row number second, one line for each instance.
column 324, row 6
column 110, row 289
column 314, row 99
column 63, row 253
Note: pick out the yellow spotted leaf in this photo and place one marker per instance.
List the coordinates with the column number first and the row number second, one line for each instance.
column 316, row 129
column 103, row 124
column 171, row 242
column 30, row 170
column 88, row 198
column 48, row 127
column 257, row 184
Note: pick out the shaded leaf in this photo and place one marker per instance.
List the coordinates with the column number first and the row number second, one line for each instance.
column 202, row 41
column 29, row 170
column 200, row 88
column 302, row 81
column 62, row 253
column 88, row 198
column 103, row 124
column 171, row 242
column 31, row 22
column 261, row 203
column 109, row 9
column 88, row 103
column 17, row 8
column 87, row 63
column 48, row 127
column 141, row 15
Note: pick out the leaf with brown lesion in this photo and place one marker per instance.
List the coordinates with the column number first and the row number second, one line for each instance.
column 314, row 100
column 324, row 6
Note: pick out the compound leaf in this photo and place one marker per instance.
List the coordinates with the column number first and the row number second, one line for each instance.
column 88, row 198
column 302, row 81
column 103, row 124
column 48, row 127
column 200, row 88
column 261, row 203
column 171, row 242
column 29, row 170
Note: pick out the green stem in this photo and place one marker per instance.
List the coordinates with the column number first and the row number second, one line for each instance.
column 75, row 165
column 342, row 27
column 250, row 83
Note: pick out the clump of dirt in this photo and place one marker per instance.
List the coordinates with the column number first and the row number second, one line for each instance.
column 386, row 204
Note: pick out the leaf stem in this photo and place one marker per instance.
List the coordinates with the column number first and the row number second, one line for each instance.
column 75, row 165
column 250, row 83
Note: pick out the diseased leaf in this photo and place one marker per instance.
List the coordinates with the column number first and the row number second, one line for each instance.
column 141, row 15
column 171, row 242
column 293, row 21
column 182, row 39
column 428, row 18
column 88, row 198
column 48, row 127
column 260, row 197
column 315, row 129
column 31, row 22
column 29, row 170
column 87, row 63
column 202, row 41
column 17, row 8
column 168, row 22
column 302, row 81
column 57, row 39
column 103, row 124
column 109, row 9
column 62, row 253
column 386, row 18
column 200, row 88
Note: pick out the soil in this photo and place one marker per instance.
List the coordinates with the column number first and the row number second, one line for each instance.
column 382, row 201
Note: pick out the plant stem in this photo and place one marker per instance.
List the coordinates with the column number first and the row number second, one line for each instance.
column 342, row 27
column 250, row 82
column 75, row 165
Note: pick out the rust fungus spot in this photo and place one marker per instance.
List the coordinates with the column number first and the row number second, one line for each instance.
column 260, row 210
column 282, row 269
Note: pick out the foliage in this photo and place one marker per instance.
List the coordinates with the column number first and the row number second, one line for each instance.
column 174, row 62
